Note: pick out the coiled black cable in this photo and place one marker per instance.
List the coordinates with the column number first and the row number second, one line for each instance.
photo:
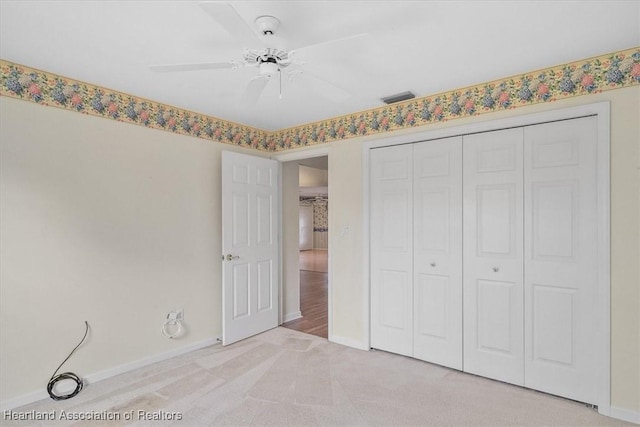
column 67, row 375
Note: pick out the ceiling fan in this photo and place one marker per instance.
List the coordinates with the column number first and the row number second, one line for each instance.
column 271, row 61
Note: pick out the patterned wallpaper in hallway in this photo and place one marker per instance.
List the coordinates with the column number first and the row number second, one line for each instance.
column 320, row 216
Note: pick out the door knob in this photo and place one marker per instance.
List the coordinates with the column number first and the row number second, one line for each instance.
column 433, row 264
column 230, row 257
column 496, row 269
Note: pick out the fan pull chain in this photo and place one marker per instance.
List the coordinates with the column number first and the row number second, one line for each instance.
column 280, row 74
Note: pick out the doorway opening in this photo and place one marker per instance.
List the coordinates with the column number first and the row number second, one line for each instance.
column 313, row 248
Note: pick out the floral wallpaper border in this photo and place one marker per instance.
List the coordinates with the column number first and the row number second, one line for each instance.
column 594, row 75
column 18, row 81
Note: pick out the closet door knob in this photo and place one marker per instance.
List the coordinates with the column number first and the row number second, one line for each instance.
column 496, row 269
column 433, row 264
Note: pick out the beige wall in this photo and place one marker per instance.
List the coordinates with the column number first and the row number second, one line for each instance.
column 118, row 224
column 105, row 222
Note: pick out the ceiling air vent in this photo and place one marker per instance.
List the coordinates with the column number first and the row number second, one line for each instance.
column 403, row 96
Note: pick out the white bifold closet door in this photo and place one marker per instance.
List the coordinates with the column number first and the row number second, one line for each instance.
column 560, row 281
column 416, row 250
column 437, row 255
column 392, row 249
column 493, row 255
column 484, row 254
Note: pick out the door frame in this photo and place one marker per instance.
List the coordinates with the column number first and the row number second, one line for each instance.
column 601, row 111
column 302, row 155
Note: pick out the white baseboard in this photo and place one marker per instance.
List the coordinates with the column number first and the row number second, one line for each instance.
column 625, row 415
column 292, row 316
column 349, row 342
column 25, row 399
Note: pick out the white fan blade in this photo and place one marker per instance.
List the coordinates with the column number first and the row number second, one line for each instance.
column 353, row 38
column 253, row 91
column 325, row 88
column 194, row 67
column 225, row 15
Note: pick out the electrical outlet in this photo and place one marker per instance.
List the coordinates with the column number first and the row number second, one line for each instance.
column 176, row 315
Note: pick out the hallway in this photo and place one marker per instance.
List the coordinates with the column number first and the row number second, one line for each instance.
column 313, row 294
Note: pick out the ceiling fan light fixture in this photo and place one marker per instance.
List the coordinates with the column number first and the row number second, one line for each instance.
column 268, row 69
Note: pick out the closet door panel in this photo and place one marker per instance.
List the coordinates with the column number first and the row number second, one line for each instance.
column 493, row 255
column 494, row 306
column 437, row 216
column 392, row 249
column 560, row 258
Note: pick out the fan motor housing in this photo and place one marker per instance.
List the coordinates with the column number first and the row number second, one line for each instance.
column 259, row 56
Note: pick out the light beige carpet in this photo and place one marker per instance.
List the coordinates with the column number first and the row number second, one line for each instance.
column 286, row 378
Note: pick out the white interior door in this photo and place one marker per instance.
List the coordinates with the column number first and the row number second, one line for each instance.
column 493, row 258
column 306, row 228
column 437, row 219
column 392, row 249
column 250, row 273
column 560, row 258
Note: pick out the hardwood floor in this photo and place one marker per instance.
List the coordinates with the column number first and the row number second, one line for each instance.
column 314, row 260
column 313, row 296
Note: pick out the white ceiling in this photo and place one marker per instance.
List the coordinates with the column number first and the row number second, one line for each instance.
column 314, row 191
column 423, row 46
column 321, row 162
